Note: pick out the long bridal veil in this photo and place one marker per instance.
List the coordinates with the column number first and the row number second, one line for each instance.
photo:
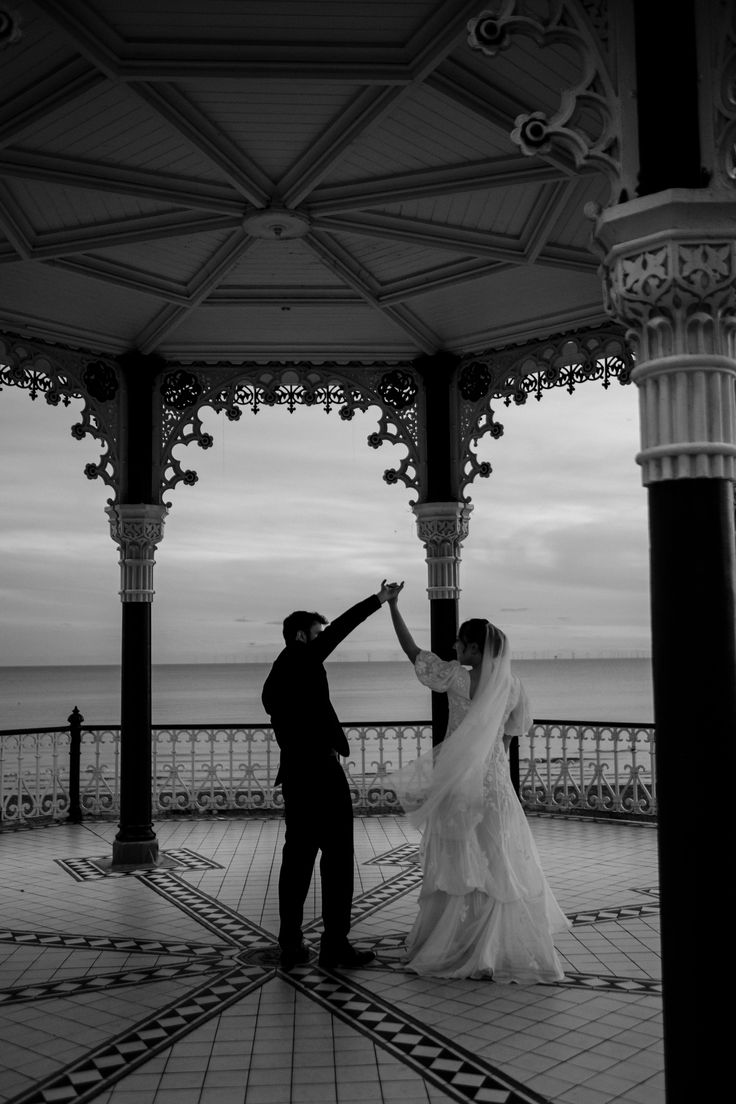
column 444, row 788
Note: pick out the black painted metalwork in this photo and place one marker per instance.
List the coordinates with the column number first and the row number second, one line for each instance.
column 75, row 751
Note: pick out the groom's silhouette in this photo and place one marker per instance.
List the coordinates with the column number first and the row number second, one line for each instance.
column 318, row 808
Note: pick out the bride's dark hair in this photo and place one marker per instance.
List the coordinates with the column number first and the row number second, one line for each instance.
column 474, row 632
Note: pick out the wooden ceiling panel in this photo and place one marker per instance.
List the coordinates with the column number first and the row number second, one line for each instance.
column 258, row 329
column 146, row 149
column 287, row 263
column 38, row 53
column 501, row 211
column 534, row 76
column 274, row 122
column 112, row 125
column 388, row 259
column 51, row 208
column 424, row 130
column 176, row 259
column 75, row 308
column 496, row 308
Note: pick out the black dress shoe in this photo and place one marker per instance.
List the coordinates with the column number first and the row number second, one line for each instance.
column 294, row 956
column 347, row 958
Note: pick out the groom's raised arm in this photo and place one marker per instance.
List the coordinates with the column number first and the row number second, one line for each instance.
column 343, row 625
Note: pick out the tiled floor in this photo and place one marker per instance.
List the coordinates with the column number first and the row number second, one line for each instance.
column 163, row 987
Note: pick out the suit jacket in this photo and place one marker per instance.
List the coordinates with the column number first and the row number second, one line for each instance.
column 296, row 695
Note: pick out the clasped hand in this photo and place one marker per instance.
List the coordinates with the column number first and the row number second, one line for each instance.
column 389, row 592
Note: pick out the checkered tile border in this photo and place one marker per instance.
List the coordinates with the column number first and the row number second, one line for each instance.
column 403, row 855
column 107, row 943
column 390, row 951
column 90, row 870
column 99, row 983
column 616, row 913
column 611, row 984
column 100, row 1068
column 209, row 912
column 456, row 1071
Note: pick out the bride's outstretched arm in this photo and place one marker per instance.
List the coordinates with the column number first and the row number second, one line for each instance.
column 406, row 640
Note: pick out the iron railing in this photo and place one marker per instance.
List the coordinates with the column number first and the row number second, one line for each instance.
column 74, row 771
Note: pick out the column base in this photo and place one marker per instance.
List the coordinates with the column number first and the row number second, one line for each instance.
column 134, row 853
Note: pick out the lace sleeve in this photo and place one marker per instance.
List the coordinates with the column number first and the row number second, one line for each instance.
column 438, row 674
column 520, row 719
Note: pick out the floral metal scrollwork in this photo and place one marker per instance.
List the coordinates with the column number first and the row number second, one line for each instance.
column 514, row 374
column 61, row 375
column 346, row 387
column 587, row 123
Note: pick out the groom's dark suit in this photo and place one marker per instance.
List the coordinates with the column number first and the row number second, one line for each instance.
column 317, row 804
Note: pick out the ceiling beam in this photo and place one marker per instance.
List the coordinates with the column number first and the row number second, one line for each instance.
column 368, row 108
column 46, row 94
column 439, row 35
column 563, row 256
column 245, row 175
column 132, row 279
column 449, row 276
column 219, row 264
column 477, row 243
column 15, row 225
column 284, row 294
column 62, row 243
column 151, row 61
column 469, row 176
column 342, row 62
column 93, row 36
column 339, row 260
column 142, row 184
column 550, row 205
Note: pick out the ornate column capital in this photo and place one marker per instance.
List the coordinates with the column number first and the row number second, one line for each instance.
column 669, row 269
column 137, row 528
column 442, row 528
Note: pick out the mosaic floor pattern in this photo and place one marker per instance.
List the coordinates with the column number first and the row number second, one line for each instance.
column 163, row 986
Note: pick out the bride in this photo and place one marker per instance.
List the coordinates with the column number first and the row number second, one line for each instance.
column 485, row 907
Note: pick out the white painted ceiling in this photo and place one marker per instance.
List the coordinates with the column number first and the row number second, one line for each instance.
column 244, row 179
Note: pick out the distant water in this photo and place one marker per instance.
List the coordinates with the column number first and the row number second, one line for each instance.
column 563, row 689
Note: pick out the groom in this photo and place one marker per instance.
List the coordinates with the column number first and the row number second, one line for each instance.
column 318, row 809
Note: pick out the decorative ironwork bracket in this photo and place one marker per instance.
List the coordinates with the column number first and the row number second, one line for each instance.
column 61, row 375
column 513, row 374
column 588, row 122
column 347, row 387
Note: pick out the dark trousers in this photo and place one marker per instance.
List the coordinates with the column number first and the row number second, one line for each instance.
column 318, row 813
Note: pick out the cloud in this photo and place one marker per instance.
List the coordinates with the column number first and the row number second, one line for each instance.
column 292, row 511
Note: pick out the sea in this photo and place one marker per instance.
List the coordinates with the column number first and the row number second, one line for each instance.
column 602, row 690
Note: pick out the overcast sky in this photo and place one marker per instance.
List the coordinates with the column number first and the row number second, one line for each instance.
column 290, row 511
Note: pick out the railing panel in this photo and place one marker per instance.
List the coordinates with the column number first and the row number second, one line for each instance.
column 34, row 774
column 574, row 766
column 565, row 767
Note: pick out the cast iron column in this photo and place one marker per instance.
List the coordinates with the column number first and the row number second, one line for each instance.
column 442, row 520
column 671, row 277
column 670, row 269
column 136, row 525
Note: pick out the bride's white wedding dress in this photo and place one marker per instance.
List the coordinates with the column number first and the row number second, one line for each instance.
column 485, row 907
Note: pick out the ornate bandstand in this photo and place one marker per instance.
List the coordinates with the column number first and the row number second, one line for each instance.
column 430, row 208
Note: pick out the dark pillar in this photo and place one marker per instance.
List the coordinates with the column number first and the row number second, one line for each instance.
column 75, row 720
column 668, row 259
column 442, row 520
column 694, row 669
column 137, row 526
column 691, row 538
